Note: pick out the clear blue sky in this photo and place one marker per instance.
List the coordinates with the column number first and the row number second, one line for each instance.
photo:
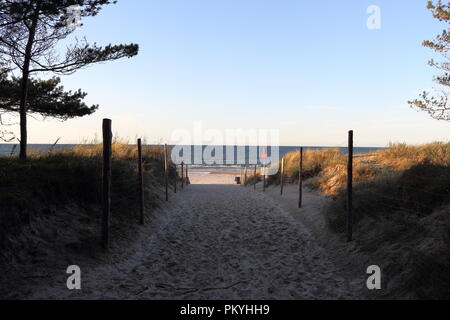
column 309, row 68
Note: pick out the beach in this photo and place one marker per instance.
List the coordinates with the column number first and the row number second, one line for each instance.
column 215, row 240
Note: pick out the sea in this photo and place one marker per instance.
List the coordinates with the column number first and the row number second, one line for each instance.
column 202, row 156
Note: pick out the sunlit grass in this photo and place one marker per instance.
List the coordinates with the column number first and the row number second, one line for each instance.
column 326, row 169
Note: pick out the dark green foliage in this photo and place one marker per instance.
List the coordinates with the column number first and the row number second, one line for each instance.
column 30, row 31
column 45, row 97
column 42, row 24
column 437, row 106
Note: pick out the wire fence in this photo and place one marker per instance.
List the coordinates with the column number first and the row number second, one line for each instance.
column 418, row 193
column 8, row 150
column 124, row 186
column 130, row 188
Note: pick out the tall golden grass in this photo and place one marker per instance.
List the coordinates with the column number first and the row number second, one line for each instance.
column 73, row 176
column 326, row 169
column 314, row 161
column 121, row 150
column 402, row 156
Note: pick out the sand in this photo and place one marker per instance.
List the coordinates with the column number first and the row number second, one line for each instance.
column 212, row 178
column 215, row 240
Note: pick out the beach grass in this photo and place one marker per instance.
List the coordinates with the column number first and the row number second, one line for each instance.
column 56, row 179
column 401, row 208
column 326, row 169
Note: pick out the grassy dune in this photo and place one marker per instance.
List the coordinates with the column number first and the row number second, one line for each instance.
column 401, row 207
column 326, row 169
column 410, row 178
column 54, row 198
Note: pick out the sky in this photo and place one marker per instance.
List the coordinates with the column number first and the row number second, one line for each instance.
column 311, row 69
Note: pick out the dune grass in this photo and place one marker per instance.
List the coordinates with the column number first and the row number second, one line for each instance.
column 408, row 179
column 401, row 177
column 402, row 221
column 402, row 156
column 326, row 169
column 314, row 163
column 55, row 179
column 401, row 206
column 416, row 191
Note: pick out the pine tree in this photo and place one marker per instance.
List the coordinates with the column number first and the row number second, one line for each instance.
column 30, row 31
column 46, row 98
column 438, row 105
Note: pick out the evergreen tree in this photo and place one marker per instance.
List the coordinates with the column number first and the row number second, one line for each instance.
column 30, row 31
column 437, row 105
column 45, row 97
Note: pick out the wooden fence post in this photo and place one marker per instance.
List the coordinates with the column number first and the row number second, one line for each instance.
column 350, row 188
column 241, row 174
column 282, row 176
column 300, row 180
column 264, row 178
column 13, row 150
column 245, row 176
column 176, row 176
column 141, row 183
column 166, row 172
column 106, row 194
column 182, row 175
column 256, row 180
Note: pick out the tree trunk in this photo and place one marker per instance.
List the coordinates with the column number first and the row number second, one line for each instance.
column 24, row 85
column 23, row 118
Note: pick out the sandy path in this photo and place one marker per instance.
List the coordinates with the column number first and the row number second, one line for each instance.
column 217, row 242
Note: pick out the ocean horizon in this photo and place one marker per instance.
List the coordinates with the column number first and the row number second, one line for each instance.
column 10, row 150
